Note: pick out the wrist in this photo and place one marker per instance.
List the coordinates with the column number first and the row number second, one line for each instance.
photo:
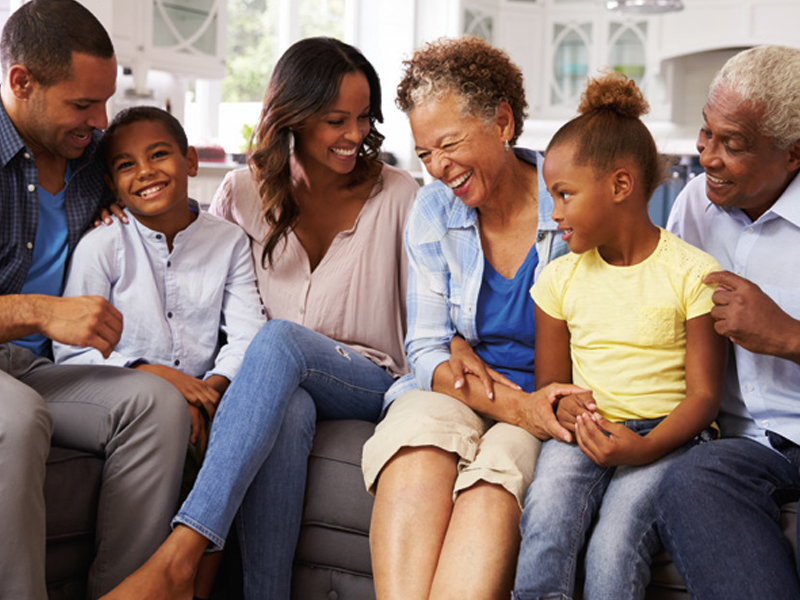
column 792, row 342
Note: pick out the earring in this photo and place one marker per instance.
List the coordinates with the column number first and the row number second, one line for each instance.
column 506, row 145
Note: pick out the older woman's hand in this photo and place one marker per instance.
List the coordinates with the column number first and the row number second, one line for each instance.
column 463, row 360
column 541, row 419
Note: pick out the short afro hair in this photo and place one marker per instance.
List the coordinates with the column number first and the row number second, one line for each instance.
column 480, row 75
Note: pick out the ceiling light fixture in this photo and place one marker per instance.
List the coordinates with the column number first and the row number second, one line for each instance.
column 644, row 7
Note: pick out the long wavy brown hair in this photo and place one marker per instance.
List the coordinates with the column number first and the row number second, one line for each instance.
column 305, row 81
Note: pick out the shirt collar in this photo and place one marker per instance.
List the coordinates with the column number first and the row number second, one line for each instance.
column 787, row 206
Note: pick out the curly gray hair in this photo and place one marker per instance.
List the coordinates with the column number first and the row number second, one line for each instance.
column 769, row 77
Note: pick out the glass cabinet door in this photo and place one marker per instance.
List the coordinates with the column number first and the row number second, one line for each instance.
column 186, row 26
column 572, row 44
column 627, row 54
column 478, row 23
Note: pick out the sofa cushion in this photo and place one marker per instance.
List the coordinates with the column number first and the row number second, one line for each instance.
column 332, row 558
column 71, row 493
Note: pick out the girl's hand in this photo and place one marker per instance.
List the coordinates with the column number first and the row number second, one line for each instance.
column 463, row 360
column 572, row 406
column 104, row 216
column 611, row 444
column 541, row 420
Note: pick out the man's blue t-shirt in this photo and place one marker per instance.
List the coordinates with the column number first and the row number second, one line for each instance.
column 46, row 274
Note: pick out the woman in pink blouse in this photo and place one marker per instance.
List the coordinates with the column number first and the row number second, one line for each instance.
column 325, row 218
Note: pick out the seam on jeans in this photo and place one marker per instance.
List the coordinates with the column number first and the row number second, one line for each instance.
column 344, row 383
column 575, row 548
column 217, row 541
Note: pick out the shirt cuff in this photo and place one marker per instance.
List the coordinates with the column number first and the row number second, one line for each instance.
column 425, row 365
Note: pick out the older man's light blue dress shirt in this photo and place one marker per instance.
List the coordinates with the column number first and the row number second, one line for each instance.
column 761, row 392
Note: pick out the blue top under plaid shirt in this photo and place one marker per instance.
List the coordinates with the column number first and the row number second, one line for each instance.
column 19, row 201
column 445, row 271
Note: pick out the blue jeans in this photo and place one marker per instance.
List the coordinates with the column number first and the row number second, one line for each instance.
column 718, row 515
column 568, row 491
column 261, row 439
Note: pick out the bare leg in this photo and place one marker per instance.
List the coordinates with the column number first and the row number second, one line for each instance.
column 167, row 575
column 479, row 556
column 413, row 504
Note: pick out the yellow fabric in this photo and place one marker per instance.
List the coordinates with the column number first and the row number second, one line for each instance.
column 628, row 324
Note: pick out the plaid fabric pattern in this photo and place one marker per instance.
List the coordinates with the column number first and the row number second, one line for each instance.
column 19, row 202
column 445, row 274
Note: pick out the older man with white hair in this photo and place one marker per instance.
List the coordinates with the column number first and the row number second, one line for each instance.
column 720, row 502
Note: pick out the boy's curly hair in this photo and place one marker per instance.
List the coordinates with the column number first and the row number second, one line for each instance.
column 480, row 75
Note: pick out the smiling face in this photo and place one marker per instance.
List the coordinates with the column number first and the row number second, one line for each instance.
column 743, row 167
column 332, row 138
column 151, row 175
column 60, row 119
column 582, row 200
column 462, row 151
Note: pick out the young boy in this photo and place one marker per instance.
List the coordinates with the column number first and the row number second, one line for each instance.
column 180, row 277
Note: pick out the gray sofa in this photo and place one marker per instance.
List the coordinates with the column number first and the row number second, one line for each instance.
column 332, row 559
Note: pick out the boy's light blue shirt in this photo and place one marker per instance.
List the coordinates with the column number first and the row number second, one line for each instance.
column 445, row 273
column 174, row 305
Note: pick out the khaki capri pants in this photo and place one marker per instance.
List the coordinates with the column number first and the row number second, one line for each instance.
column 497, row 453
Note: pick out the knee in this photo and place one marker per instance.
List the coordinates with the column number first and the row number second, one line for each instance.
column 416, row 473
column 276, row 333
column 155, row 404
column 26, row 426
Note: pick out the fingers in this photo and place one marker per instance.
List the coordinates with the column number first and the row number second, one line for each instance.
column 203, row 397
column 557, row 430
column 480, row 371
column 547, row 418
column 116, row 210
column 556, row 391
column 591, row 438
column 725, row 279
column 197, row 424
column 457, row 369
column 573, row 405
column 502, row 379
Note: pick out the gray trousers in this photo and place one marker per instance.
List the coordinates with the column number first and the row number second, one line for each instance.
column 136, row 421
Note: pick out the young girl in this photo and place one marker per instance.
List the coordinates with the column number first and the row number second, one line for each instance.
column 625, row 315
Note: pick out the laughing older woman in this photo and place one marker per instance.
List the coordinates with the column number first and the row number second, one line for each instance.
column 452, row 459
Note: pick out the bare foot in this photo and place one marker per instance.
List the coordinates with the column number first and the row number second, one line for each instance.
column 169, row 573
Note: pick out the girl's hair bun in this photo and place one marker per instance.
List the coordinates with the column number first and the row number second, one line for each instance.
column 615, row 93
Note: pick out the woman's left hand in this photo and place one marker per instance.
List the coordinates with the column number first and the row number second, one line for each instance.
column 116, row 209
column 463, row 360
column 610, row 444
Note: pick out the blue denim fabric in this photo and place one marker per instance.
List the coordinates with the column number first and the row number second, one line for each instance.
column 261, row 439
column 569, row 495
column 718, row 516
